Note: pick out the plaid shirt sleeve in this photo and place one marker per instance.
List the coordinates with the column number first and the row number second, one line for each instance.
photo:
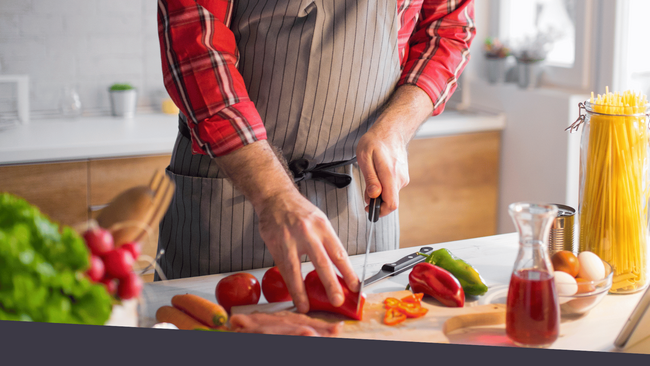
column 436, row 38
column 199, row 57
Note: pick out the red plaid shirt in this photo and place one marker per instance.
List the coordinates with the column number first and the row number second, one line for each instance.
column 199, row 58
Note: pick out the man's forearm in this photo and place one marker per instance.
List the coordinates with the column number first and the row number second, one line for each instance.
column 407, row 109
column 257, row 172
column 289, row 223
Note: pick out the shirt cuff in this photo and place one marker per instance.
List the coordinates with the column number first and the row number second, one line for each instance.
column 228, row 130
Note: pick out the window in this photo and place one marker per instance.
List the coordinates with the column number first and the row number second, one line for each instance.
column 633, row 63
column 524, row 19
column 568, row 63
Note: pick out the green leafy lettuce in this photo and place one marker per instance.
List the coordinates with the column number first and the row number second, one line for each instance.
column 42, row 270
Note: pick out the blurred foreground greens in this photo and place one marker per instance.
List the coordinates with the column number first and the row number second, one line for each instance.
column 42, row 270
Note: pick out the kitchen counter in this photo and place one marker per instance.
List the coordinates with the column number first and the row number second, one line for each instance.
column 64, row 139
column 48, row 140
column 492, row 256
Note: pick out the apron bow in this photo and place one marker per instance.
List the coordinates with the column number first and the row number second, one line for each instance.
column 303, row 169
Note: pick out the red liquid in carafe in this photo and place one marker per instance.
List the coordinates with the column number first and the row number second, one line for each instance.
column 533, row 314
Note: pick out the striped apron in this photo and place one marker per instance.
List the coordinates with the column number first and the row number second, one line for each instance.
column 319, row 73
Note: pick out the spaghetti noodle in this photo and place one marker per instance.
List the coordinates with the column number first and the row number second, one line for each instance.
column 614, row 188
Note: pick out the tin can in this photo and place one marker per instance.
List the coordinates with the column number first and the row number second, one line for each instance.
column 561, row 235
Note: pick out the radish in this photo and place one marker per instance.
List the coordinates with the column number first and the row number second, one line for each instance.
column 96, row 270
column 133, row 247
column 99, row 241
column 111, row 285
column 118, row 263
column 129, row 286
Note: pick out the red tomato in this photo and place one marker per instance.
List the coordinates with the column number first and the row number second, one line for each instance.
column 118, row 263
column 129, row 286
column 99, row 241
column 238, row 289
column 273, row 286
column 96, row 270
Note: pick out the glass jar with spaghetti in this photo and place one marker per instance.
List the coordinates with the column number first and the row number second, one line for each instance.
column 614, row 185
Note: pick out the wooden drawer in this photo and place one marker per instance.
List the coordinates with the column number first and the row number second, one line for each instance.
column 109, row 177
column 59, row 190
column 453, row 189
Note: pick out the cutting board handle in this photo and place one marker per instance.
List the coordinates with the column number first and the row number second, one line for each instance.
column 493, row 314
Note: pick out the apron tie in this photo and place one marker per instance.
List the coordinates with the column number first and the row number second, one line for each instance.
column 303, row 169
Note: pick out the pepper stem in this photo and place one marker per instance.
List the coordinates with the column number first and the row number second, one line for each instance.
column 429, row 258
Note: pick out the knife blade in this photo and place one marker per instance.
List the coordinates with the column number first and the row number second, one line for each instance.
column 373, row 215
column 395, row 268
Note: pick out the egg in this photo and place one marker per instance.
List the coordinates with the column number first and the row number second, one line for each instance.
column 165, row 326
column 566, row 261
column 584, row 286
column 591, row 267
column 565, row 284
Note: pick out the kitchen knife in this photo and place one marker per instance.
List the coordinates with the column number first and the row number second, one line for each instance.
column 373, row 215
column 394, row 268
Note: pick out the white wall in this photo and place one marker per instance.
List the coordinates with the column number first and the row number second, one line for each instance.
column 89, row 43
column 539, row 160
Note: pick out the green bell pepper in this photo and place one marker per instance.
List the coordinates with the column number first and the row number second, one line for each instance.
column 468, row 277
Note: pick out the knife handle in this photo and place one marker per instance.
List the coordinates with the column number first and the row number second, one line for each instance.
column 409, row 260
column 374, row 208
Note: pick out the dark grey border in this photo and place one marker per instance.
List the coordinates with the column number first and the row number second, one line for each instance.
column 24, row 343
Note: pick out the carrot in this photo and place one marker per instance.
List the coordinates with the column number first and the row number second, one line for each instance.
column 170, row 314
column 201, row 309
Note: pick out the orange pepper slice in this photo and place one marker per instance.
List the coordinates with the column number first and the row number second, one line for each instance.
column 412, row 311
column 413, row 298
column 408, row 307
column 394, row 316
column 391, row 302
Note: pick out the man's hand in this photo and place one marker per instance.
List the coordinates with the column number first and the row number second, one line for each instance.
column 381, row 153
column 290, row 225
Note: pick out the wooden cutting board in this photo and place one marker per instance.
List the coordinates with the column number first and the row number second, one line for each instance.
column 430, row 328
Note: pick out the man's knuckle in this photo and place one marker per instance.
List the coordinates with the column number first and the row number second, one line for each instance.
column 321, row 262
column 339, row 255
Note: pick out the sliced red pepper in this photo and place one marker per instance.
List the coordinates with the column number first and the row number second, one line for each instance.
column 412, row 311
column 318, row 298
column 413, row 298
column 394, row 316
column 391, row 302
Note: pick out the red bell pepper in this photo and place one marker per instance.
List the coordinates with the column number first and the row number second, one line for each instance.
column 318, row 297
column 437, row 282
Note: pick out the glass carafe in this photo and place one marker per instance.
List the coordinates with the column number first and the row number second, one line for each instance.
column 533, row 312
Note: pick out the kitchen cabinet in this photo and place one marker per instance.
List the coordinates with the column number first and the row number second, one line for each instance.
column 73, row 192
column 453, row 189
column 60, row 190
